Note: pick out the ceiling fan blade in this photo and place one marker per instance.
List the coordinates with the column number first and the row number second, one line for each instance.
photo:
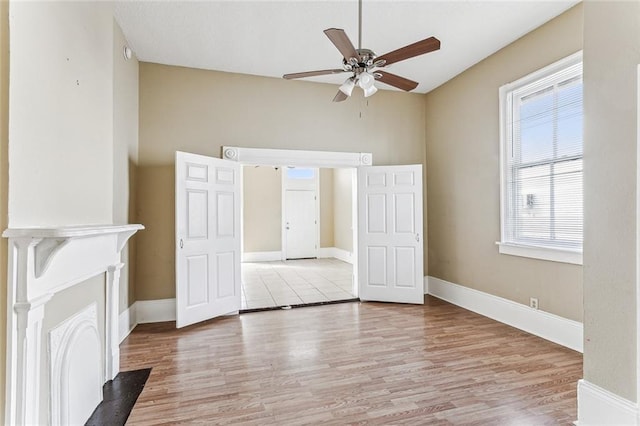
column 340, row 96
column 416, row 49
column 396, row 81
column 312, row 73
column 340, row 39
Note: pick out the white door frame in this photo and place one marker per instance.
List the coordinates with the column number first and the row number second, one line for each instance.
column 300, row 158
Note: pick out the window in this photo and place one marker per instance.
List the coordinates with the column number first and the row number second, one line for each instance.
column 300, row 173
column 541, row 137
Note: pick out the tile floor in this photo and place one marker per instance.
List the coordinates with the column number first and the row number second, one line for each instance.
column 294, row 282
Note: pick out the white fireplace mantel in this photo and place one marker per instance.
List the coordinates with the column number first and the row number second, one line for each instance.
column 42, row 262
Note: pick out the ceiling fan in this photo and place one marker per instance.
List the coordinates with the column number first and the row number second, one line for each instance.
column 362, row 63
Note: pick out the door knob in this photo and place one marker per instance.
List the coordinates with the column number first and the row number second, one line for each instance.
column 181, row 243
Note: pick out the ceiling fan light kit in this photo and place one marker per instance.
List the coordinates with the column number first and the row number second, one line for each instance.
column 362, row 62
column 370, row 91
column 366, row 83
column 348, row 85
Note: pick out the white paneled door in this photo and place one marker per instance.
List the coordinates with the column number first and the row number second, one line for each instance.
column 390, row 247
column 301, row 224
column 207, row 238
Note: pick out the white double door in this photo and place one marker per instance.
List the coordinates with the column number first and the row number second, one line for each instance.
column 208, row 271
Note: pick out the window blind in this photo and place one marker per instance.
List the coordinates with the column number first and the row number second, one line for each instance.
column 543, row 191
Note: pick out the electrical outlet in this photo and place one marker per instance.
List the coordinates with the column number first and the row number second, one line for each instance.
column 533, row 302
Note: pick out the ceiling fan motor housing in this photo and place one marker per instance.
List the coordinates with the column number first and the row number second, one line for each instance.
column 365, row 60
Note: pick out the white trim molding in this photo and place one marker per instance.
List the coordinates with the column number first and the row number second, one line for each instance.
column 337, row 253
column 261, row 256
column 145, row 311
column 159, row 310
column 293, row 157
column 598, row 406
column 127, row 321
column 542, row 253
column 551, row 327
column 43, row 262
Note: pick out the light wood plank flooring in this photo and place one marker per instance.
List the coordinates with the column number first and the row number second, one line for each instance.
column 354, row 363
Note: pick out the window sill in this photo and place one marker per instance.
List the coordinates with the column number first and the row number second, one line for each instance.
column 542, row 253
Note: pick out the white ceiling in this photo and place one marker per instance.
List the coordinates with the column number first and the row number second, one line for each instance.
column 272, row 38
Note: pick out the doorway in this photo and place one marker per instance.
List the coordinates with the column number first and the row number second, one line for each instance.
column 298, row 233
column 300, row 212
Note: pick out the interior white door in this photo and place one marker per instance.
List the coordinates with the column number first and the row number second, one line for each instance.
column 390, row 247
column 208, row 276
column 301, row 224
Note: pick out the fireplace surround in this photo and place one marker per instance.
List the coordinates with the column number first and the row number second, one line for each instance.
column 43, row 262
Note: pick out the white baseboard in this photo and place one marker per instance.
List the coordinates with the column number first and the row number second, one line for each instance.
column 325, row 252
column 155, row 310
column 127, row 321
column 559, row 330
column 261, row 256
column 597, row 406
column 335, row 252
column 145, row 311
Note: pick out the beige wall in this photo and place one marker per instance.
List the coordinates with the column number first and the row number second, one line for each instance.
column 4, row 185
column 262, row 192
column 342, row 208
column 611, row 57
column 326, row 208
column 463, row 177
column 155, row 254
column 199, row 111
column 61, row 121
column 125, row 155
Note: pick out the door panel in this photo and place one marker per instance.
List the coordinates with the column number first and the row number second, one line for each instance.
column 376, row 214
column 377, row 260
column 197, row 271
column 390, row 259
column 207, row 238
column 198, row 212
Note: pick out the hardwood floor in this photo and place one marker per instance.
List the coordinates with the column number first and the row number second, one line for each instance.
column 356, row 363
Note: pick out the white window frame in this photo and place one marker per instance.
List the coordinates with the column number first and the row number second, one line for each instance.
column 519, row 248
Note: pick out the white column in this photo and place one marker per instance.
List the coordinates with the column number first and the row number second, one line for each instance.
column 29, row 345
column 112, row 346
column 24, row 333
